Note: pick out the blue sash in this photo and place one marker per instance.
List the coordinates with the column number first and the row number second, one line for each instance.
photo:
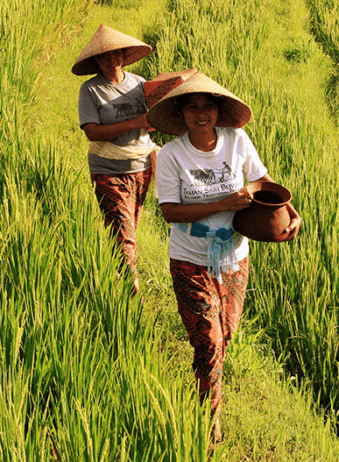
column 220, row 252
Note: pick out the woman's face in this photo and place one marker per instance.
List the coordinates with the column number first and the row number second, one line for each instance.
column 111, row 62
column 200, row 114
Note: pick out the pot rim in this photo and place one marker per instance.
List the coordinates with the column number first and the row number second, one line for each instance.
column 285, row 194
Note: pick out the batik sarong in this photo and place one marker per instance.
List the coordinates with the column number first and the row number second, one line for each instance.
column 210, row 312
column 121, row 198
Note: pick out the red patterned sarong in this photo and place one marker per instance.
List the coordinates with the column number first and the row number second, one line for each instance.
column 211, row 313
column 121, row 198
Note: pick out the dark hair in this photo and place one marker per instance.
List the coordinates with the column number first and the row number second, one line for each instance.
column 121, row 49
column 183, row 100
column 124, row 52
column 94, row 61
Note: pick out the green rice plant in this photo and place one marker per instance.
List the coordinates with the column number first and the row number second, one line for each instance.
column 61, row 345
column 19, row 74
column 81, row 416
column 161, row 418
column 120, row 405
column 152, row 237
column 324, row 25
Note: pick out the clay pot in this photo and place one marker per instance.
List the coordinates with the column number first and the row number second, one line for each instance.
column 267, row 217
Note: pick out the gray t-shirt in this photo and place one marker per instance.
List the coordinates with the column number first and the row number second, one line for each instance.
column 103, row 102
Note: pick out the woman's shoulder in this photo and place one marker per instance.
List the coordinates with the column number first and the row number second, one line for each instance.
column 134, row 77
column 232, row 131
column 92, row 82
column 233, row 135
column 174, row 146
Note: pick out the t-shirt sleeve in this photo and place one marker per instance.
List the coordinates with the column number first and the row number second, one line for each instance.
column 168, row 178
column 253, row 168
column 88, row 109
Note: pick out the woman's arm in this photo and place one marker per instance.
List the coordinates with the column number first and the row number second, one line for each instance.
column 181, row 213
column 96, row 132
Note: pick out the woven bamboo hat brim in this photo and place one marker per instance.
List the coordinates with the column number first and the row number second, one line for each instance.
column 166, row 116
column 107, row 39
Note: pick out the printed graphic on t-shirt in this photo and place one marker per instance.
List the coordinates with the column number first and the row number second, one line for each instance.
column 202, row 177
column 127, row 109
column 206, row 184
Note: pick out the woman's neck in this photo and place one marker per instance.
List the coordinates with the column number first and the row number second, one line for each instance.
column 204, row 142
column 117, row 77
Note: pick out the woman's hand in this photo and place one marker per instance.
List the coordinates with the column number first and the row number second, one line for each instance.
column 140, row 122
column 237, row 201
column 182, row 213
column 294, row 226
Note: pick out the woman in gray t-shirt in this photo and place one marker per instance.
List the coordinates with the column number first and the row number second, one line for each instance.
column 112, row 113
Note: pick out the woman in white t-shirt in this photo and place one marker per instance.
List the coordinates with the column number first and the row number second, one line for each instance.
column 201, row 184
column 112, row 113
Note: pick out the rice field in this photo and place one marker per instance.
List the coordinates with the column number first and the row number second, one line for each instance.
column 87, row 372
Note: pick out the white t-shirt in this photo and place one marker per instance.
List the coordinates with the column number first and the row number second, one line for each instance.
column 186, row 175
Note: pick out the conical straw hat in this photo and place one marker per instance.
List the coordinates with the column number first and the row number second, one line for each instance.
column 107, row 39
column 166, row 117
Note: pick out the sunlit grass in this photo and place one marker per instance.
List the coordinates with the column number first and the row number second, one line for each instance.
column 101, row 375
